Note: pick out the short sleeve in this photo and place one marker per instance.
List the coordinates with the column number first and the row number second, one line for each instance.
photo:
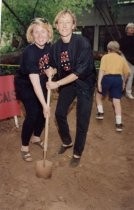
column 31, row 62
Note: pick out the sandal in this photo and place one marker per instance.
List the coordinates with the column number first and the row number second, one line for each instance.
column 26, row 156
column 39, row 143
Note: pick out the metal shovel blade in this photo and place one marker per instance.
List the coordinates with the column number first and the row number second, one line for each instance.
column 43, row 169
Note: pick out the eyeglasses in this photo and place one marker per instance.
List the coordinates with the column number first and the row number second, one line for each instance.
column 39, row 19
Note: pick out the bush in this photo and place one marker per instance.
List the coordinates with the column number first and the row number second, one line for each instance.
column 97, row 64
column 7, row 48
column 8, row 69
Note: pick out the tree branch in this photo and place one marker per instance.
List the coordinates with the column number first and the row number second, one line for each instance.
column 103, row 17
column 35, row 7
column 112, row 18
column 13, row 13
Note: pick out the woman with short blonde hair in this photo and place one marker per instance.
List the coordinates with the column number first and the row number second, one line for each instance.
column 63, row 13
column 72, row 57
column 42, row 22
column 30, row 83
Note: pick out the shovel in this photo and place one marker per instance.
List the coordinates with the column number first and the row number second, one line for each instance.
column 44, row 167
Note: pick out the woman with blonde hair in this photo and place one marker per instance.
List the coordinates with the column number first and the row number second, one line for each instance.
column 73, row 59
column 112, row 78
column 30, row 83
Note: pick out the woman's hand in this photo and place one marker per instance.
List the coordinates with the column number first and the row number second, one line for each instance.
column 52, row 85
column 46, row 111
column 50, row 72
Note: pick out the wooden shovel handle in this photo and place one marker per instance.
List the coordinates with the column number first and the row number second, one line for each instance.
column 47, row 121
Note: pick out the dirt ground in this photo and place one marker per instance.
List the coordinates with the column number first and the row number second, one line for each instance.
column 104, row 179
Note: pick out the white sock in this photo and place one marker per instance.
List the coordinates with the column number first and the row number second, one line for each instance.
column 118, row 119
column 100, row 108
column 76, row 156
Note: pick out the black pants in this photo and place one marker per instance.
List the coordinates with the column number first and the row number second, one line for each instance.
column 83, row 111
column 34, row 119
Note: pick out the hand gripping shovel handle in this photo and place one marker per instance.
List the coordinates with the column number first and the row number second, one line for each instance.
column 47, row 121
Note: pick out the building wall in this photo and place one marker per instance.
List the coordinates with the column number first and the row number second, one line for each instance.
column 125, row 15
column 94, row 20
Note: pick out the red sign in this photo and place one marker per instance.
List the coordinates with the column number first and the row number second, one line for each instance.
column 9, row 106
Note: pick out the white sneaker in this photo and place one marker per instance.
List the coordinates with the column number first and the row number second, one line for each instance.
column 129, row 95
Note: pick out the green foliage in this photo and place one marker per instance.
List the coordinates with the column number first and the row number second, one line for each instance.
column 7, row 48
column 27, row 10
column 97, row 64
column 8, row 69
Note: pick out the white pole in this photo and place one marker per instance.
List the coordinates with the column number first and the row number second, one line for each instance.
column 16, row 121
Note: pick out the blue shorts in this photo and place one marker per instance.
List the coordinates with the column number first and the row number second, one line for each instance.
column 112, row 85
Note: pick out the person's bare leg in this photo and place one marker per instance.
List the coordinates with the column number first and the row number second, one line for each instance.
column 118, row 115
column 99, row 104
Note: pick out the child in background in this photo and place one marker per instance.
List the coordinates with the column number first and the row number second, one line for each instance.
column 112, row 78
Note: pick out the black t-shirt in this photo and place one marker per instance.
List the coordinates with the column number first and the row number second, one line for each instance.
column 75, row 57
column 127, row 47
column 65, row 62
column 36, row 61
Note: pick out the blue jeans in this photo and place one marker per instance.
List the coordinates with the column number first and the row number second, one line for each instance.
column 83, row 111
